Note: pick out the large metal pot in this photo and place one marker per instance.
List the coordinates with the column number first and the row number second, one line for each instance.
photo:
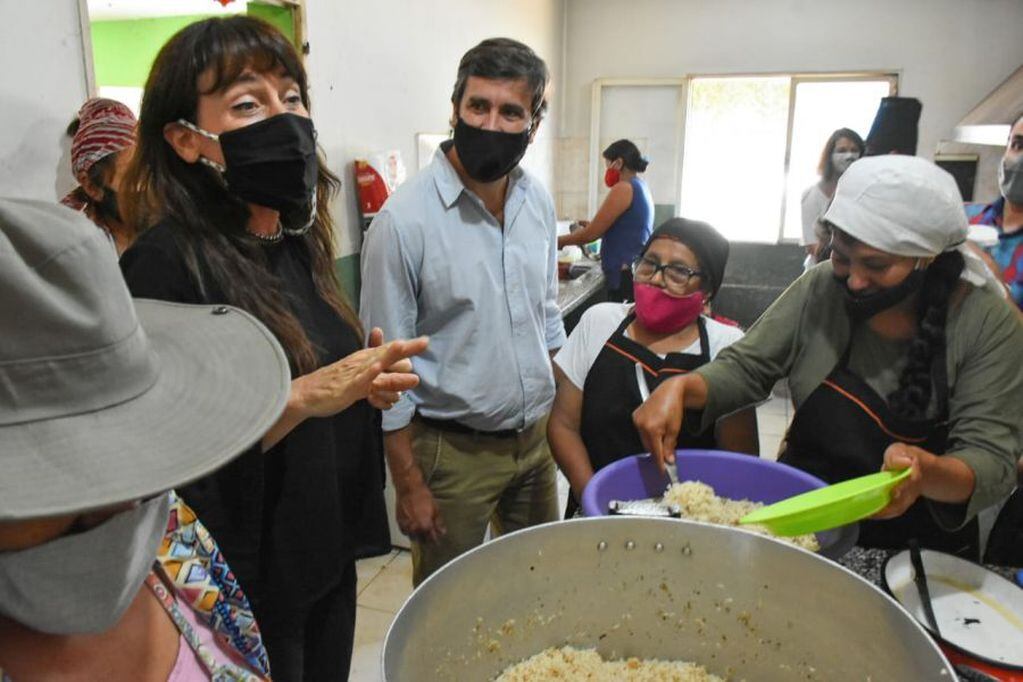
column 746, row 606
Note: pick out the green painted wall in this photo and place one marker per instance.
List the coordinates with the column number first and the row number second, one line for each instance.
column 277, row 16
column 123, row 51
column 347, row 268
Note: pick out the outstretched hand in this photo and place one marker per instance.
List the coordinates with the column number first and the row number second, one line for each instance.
column 378, row 373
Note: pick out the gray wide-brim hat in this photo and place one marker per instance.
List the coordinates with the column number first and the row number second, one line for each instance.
column 103, row 398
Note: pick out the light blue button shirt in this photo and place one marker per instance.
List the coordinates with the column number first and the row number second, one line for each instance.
column 436, row 262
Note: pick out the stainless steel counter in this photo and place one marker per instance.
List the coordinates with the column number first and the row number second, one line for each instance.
column 572, row 292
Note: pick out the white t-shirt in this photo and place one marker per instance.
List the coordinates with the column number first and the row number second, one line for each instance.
column 814, row 204
column 597, row 325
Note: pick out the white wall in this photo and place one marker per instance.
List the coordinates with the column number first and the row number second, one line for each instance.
column 383, row 71
column 43, row 87
column 950, row 53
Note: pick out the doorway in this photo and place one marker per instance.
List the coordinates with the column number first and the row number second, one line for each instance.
column 126, row 35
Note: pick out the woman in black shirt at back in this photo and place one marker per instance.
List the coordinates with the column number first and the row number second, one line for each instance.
column 228, row 179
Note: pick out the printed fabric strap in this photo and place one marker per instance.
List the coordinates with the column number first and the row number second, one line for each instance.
column 195, row 566
column 218, row 672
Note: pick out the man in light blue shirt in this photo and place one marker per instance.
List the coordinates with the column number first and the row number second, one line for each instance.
column 466, row 252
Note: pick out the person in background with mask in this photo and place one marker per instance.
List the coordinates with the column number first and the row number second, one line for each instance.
column 620, row 352
column 1006, row 215
column 466, row 251
column 624, row 221
column 842, row 148
column 901, row 353
column 102, row 141
column 227, row 173
column 107, row 404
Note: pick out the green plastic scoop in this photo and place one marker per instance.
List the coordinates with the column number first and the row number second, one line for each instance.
column 829, row 507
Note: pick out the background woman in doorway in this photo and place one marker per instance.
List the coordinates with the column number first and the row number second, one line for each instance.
column 842, row 148
column 624, row 221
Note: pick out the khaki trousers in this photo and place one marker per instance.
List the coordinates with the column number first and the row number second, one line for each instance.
column 477, row 480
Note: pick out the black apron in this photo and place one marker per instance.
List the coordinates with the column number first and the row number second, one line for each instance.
column 611, row 394
column 842, row 430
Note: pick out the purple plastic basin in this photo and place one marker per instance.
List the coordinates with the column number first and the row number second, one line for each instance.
column 732, row 475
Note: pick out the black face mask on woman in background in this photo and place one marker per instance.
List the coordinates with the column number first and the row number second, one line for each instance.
column 489, row 155
column 865, row 306
column 271, row 163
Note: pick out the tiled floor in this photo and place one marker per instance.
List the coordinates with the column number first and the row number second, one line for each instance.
column 386, row 582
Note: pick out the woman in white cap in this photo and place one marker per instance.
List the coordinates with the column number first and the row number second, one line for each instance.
column 901, row 353
column 105, row 405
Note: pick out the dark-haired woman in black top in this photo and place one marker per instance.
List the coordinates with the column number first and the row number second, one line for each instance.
column 227, row 178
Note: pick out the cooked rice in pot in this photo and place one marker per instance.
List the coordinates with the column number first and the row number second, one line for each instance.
column 568, row 664
column 699, row 503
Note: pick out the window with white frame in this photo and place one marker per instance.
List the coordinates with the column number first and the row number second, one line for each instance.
column 752, row 145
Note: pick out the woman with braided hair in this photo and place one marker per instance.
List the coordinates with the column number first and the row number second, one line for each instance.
column 901, row 353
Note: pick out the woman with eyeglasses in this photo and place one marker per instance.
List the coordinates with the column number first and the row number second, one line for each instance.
column 620, row 352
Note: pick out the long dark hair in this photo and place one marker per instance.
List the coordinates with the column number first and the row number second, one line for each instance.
column 628, row 152
column 825, row 167
column 911, row 398
column 209, row 221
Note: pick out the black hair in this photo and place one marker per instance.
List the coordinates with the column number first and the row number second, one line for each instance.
column 706, row 243
column 628, row 152
column 911, row 398
column 505, row 59
column 825, row 167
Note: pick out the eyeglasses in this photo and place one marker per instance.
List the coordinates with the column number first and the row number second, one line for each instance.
column 676, row 277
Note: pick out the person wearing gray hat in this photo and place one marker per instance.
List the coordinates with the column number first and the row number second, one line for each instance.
column 901, row 353
column 620, row 352
column 105, row 404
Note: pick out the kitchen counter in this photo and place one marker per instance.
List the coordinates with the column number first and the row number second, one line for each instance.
column 867, row 563
column 573, row 292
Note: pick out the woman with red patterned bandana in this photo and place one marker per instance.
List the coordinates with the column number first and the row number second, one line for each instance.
column 103, row 139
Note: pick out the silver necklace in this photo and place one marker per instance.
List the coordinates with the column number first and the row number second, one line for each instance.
column 269, row 238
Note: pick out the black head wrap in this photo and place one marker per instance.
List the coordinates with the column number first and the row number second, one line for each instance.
column 707, row 243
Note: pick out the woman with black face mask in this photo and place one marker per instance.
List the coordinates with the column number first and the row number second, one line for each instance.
column 102, row 141
column 228, row 180
column 901, row 353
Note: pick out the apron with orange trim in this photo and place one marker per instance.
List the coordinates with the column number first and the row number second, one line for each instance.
column 611, row 394
column 842, row 430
